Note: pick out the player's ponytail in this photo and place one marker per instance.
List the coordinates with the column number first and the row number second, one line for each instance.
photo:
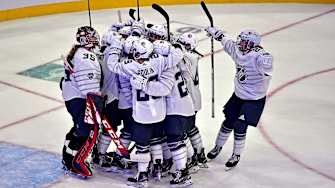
column 73, row 50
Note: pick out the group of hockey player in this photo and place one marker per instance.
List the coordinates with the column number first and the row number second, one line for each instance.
column 150, row 84
column 136, row 76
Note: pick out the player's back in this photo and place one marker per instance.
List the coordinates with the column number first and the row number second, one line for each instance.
column 192, row 78
column 85, row 78
column 148, row 108
column 179, row 102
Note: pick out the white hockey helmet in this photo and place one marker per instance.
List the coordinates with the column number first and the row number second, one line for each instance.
column 88, row 37
column 189, row 40
column 108, row 37
column 138, row 28
column 128, row 45
column 157, row 32
column 248, row 39
column 125, row 31
column 143, row 49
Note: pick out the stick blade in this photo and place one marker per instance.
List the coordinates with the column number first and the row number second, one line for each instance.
column 165, row 14
column 204, row 7
column 132, row 13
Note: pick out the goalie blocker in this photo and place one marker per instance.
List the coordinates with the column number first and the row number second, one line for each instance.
column 82, row 137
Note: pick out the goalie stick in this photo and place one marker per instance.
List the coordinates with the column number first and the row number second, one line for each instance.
column 93, row 111
column 166, row 16
column 204, row 7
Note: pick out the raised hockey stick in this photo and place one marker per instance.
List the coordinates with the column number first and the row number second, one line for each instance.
column 138, row 10
column 166, row 16
column 204, row 7
column 131, row 13
column 89, row 12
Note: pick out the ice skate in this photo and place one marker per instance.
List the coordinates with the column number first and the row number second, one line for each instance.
column 214, row 152
column 181, row 178
column 139, row 181
column 232, row 162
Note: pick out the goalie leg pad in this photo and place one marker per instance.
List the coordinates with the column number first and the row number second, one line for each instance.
column 80, row 161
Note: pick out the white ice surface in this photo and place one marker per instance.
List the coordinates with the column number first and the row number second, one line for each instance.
column 299, row 119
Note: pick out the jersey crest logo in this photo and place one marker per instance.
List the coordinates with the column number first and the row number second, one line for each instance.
column 90, row 76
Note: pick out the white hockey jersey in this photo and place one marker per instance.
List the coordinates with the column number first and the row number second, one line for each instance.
column 149, row 105
column 110, row 83
column 125, row 91
column 179, row 102
column 190, row 70
column 253, row 70
column 85, row 77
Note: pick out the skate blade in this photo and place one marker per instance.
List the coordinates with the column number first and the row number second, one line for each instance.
column 228, row 168
column 202, row 165
column 187, row 183
column 193, row 170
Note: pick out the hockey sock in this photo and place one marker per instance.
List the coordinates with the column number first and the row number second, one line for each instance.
column 223, row 135
column 166, row 151
column 240, row 132
column 156, row 149
column 195, row 139
column 142, row 157
column 189, row 148
column 179, row 154
column 104, row 141
column 239, row 143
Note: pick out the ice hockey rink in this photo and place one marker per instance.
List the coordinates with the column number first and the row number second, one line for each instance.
column 293, row 145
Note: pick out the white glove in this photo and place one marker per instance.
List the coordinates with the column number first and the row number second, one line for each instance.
column 138, row 82
column 217, row 34
column 116, row 26
column 162, row 47
column 114, row 42
column 174, row 38
column 109, row 38
column 109, row 50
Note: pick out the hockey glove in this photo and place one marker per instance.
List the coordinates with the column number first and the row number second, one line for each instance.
column 215, row 33
column 138, row 82
column 116, row 26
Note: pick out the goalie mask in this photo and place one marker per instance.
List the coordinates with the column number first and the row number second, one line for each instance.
column 143, row 49
column 157, row 32
column 87, row 37
column 188, row 40
column 248, row 39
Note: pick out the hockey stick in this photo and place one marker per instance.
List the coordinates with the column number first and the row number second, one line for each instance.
column 89, row 12
column 138, row 10
column 131, row 13
column 93, row 112
column 204, row 7
column 123, row 150
column 166, row 16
